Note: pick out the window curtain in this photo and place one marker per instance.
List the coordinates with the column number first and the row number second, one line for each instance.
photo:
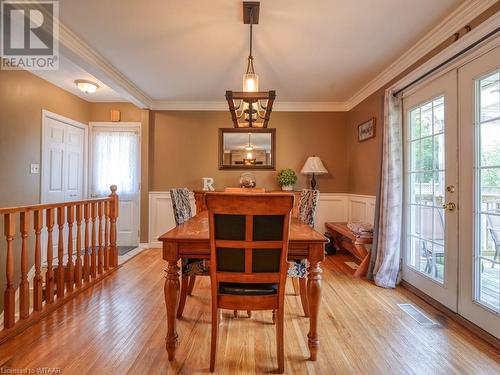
column 385, row 261
column 115, row 161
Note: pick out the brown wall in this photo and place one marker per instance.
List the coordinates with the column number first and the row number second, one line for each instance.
column 22, row 98
column 101, row 112
column 364, row 157
column 184, row 148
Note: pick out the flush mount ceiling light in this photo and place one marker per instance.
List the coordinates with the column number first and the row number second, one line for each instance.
column 87, row 87
column 250, row 108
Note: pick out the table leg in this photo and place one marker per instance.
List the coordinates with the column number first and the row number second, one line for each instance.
column 314, row 298
column 171, row 299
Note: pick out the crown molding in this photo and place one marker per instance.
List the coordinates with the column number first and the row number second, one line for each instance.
column 485, row 28
column 165, row 105
column 162, row 105
column 82, row 54
column 310, row 106
column 463, row 14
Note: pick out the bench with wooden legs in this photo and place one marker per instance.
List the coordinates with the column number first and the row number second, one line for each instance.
column 344, row 238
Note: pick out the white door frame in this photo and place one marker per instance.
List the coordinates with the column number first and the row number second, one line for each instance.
column 120, row 126
column 70, row 122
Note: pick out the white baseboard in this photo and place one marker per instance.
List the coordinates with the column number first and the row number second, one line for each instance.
column 331, row 207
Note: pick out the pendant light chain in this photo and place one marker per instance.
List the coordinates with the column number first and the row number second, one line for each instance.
column 250, row 69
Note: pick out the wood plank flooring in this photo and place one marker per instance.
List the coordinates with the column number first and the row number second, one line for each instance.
column 118, row 327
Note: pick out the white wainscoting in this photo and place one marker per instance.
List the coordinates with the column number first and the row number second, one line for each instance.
column 331, row 207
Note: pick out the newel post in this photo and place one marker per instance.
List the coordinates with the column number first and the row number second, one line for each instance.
column 113, row 215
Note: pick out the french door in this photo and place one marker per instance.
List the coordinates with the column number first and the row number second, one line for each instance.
column 479, row 288
column 452, row 190
column 431, row 181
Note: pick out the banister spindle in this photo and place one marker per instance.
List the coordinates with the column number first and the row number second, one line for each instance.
column 113, row 214
column 106, row 235
column 93, row 268
column 60, row 252
column 100, row 249
column 78, row 265
column 86, row 270
column 49, row 275
column 9, row 293
column 70, row 277
column 24, row 294
column 37, row 280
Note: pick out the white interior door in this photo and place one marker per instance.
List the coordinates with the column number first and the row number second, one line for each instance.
column 431, row 181
column 63, row 161
column 115, row 159
column 63, row 166
column 479, row 297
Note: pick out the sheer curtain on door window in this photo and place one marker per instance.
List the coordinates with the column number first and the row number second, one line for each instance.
column 115, row 161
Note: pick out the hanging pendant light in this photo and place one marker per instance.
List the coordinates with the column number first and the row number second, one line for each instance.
column 249, row 147
column 250, row 108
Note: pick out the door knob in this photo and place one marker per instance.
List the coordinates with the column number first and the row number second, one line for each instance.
column 450, row 206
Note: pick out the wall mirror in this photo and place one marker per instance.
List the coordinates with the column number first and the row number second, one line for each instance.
column 247, row 148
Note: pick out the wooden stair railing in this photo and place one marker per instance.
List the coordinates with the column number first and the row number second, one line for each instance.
column 96, row 218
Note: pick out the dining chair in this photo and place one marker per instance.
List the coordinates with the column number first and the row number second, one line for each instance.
column 297, row 270
column 190, row 267
column 248, row 252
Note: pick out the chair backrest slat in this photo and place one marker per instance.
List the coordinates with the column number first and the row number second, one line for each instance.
column 249, row 236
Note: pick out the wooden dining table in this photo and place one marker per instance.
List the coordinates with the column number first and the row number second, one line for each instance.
column 191, row 240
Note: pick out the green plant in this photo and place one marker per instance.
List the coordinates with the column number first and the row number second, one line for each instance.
column 286, row 177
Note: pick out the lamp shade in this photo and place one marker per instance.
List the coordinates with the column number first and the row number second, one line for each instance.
column 314, row 165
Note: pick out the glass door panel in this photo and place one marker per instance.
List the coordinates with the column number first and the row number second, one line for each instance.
column 479, row 297
column 426, row 197
column 430, row 243
column 487, row 168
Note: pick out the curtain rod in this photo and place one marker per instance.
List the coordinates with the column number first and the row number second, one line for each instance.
column 447, row 61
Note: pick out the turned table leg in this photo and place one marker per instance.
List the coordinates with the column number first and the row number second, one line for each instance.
column 171, row 300
column 314, row 299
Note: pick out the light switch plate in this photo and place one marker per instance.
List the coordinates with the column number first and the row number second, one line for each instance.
column 34, row 168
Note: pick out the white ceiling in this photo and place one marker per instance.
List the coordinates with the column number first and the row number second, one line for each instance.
column 308, row 51
column 69, row 72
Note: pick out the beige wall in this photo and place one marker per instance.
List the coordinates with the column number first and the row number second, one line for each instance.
column 184, row 148
column 364, row 157
column 22, row 98
column 101, row 112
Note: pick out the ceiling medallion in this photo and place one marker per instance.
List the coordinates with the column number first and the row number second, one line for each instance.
column 250, row 108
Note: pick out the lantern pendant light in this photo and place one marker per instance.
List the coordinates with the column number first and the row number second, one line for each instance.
column 250, row 108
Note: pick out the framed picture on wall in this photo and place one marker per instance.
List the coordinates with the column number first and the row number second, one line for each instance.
column 366, row 130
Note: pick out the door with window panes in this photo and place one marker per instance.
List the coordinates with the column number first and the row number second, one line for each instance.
column 479, row 236
column 452, row 189
column 431, row 194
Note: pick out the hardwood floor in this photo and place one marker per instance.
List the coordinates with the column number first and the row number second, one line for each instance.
column 119, row 327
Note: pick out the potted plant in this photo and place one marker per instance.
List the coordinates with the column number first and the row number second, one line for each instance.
column 286, row 178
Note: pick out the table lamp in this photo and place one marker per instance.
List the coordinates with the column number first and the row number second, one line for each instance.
column 313, row 166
